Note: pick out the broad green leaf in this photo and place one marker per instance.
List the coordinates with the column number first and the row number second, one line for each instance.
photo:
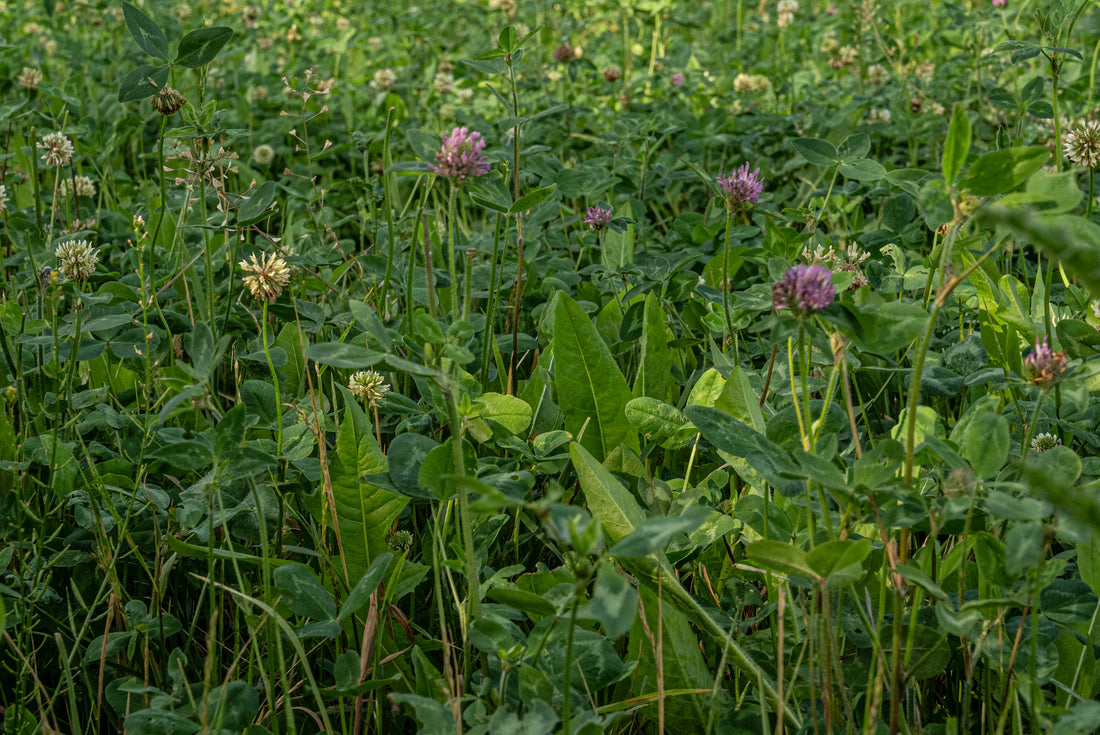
column 854, row 147
column 142, row 82
column 1079, row 339
column 891, row 326
column 434, row 717
column 617, row 248
column 146, row 32
column 199, row 47
column 158, row 722
column 365, row 512
column 531, row 198
column 1023, row 546
column 513, row 413
column 522, row 600
column 740, row 400
column 840, row 562
column 1068, row 601
column 987, row 442
column 303, row 592
column 683, row 665
column 590, row 388
column 607, row 499
column 781, row 557
column 195, row 551
column 344, row 355
column 614, row 601
column 862, row 169
column 1001, row 171
column 254, row 203
column 660, row 422
column 914, row 574
column 1058, row 193
column 957, row 145
column 365, row 587
column 654, row 534
column 1069, row 238
column 816, row 151
column 655, row 361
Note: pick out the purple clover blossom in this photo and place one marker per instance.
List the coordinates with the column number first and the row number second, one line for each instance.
column 1044, row 366
column 804, row 289
column 597, row 218
column 678, row 79
column 742, row 188
column 460, row 156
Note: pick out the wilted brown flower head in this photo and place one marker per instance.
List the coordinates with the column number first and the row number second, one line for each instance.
column 564, row 53
column 167, row 101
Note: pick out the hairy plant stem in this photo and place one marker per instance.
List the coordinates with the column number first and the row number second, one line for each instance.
column 1029, row 434
column 466, row 530
column 726, row 281
column 452, row 245
column 489, row 337
column 829, row 193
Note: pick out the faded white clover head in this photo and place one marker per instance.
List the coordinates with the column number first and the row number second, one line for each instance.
column 266, row 277
column 57, row 149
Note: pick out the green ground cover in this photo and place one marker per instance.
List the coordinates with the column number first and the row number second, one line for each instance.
column 507, row 366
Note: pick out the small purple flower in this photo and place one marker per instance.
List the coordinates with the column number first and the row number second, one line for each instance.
column 461, row 156
column 677, row 79
column 742, row 188
column 597, row 218
column 1000, row 3
column 1044, row 366
column 804, row 289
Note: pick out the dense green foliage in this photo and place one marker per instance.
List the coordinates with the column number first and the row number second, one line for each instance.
column 373, row 367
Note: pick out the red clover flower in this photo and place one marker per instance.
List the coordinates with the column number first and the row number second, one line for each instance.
column 804, row 289
column 597, row 218
column 461, row 156
column 742, row 188
column 1044, row 366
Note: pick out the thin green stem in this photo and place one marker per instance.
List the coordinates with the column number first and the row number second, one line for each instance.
column 726, row 281
column 567, row 674
column 452, row 245
column 275, row 380
column 1025, row 447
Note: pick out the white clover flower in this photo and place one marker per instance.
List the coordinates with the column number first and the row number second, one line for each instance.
column 1045, row 442
column 57, row 149
column 266, row 277
column 1082, row 145
column 879, row 115
column 443, row 82
column 384, row 79
column 877, row 74
column 263, row 154
column 82, row 185
column 368, row 385
column 30, row 78
column 76, row 259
